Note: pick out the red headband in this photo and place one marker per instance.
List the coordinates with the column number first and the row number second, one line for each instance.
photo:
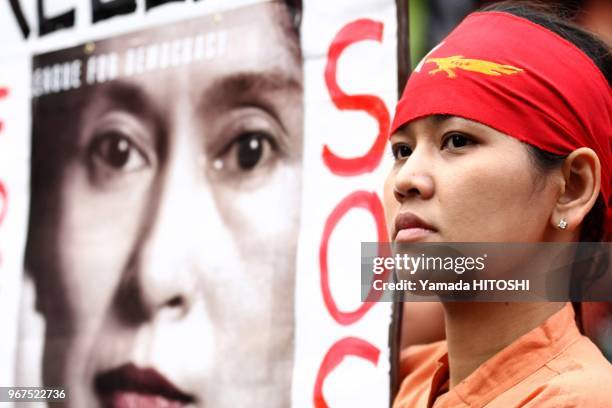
column 520, row 79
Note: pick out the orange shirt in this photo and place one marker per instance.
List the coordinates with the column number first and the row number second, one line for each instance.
column 551, row 366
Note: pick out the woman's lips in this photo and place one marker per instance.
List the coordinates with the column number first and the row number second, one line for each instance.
column 410, row 228
column 129, row 386
column 412, row 235
column 130, row 399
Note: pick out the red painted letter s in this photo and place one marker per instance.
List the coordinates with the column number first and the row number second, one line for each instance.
column 353, row 32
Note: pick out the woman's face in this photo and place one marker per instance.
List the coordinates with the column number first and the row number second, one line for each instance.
column 165, row 251
column 466, row 182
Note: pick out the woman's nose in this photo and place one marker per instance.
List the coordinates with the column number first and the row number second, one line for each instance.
column 415, row 178
column 166, row 270
column 165, row 274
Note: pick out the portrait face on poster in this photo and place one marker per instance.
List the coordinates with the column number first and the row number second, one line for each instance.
column 166, row 179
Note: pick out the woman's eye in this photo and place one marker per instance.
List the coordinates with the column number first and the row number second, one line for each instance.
column 250, row 150
column 456, row 141
column 401, row 151
column 117, row 152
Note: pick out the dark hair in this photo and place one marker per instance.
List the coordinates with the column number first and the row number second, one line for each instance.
column 290, row 24
column 555, row 18
column 295, row 13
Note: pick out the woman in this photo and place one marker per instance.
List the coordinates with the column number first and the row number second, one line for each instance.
column 151, row 268
column 503, row 134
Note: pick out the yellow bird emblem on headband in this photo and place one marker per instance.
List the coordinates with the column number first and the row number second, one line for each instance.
column 449, row 64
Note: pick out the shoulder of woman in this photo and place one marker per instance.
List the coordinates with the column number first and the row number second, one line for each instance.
column 574, row 390
column 583, row 379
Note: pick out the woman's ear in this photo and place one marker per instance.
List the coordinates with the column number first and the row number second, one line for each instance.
column 582, row 180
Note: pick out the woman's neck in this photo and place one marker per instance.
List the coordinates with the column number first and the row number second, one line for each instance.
column 475, row 331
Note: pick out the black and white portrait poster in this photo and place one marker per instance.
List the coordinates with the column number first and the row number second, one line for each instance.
column 184, row 188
